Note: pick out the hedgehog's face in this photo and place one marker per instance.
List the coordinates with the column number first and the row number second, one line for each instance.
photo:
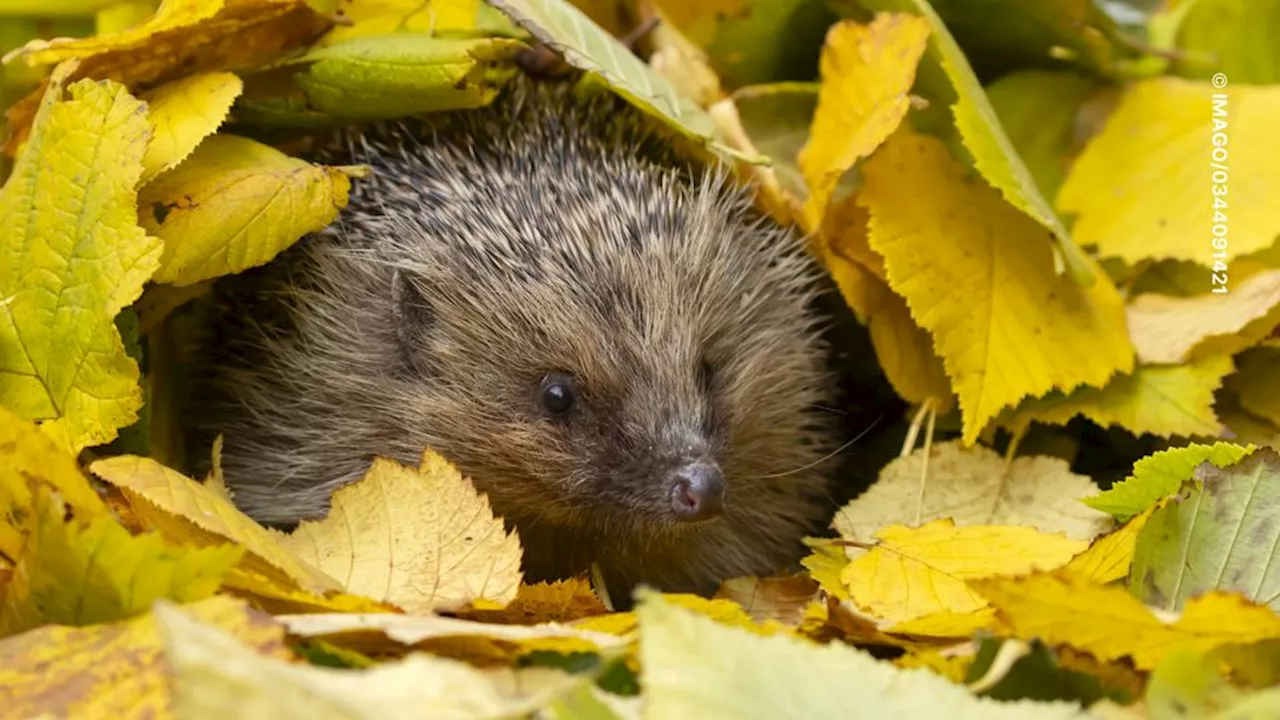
column 638, row 395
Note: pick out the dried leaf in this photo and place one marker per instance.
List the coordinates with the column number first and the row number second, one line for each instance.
column 235, row 204
column 380, row 633
column 976, row 277
column 1175, row 329
column 783, row 599
column 421, row 538
column 75, row 257
column 190, row 513
column 973, row 486
column 560, row 601
column 183, row 37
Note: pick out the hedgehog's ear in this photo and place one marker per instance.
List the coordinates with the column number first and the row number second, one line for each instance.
column 412, row 316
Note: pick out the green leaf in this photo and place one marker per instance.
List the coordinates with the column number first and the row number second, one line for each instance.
column 1038, row 111
column 1234, row 37
column 1158, row 476
column 992, row 153
column 401, row 74
column 75, row 574
column 697, row 668
column 1008, row 669
column 777, row 117
column 587, row 47
column 1188, row 685
column 1004, row 34
column 1221, row 534
column 74, row 258
column 235, row 204
column 1165, row 400
column 781, row 38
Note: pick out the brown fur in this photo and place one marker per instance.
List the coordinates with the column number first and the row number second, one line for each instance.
column 548, row 232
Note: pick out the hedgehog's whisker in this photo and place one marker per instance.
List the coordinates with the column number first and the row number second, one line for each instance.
column 822, row 459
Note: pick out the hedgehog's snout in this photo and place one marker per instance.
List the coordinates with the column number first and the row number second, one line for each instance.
column 697, row 491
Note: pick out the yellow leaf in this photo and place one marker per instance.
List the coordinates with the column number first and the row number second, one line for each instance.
column 867, row 71
column 384, row 633
column 722, row 611
column 994, row 155
column 380, row 17
column 279, row 597
column 421, row 538
column 979, row 277
column 952, row 667
column 913, row 572
column 1168, row 329
column 1172, row 400
column 235, row 204
column 74, row 573
column 112, row 671
column 189, row 512
column 904, row 349
column 183, row 113
column 28, row 456
column 1108, row 559
column 183, row 37
column 216, row 676
column 74, row 256
column 1065, row 609
column 826, row 565
column 783, row 599
column 947, row 624
column 973, row 486
column 1139, row 194
column 560, row 601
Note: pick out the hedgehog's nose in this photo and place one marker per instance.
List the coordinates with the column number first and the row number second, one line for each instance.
column 698, row 492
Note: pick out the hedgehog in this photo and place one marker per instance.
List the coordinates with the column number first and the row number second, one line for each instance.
column 602, row 333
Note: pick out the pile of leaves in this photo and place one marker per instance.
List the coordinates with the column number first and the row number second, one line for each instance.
column 1051, row 216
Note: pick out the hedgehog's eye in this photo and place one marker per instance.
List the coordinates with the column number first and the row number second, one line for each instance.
column 558, row 395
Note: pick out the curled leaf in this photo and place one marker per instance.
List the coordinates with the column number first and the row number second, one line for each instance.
column 235, row 204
